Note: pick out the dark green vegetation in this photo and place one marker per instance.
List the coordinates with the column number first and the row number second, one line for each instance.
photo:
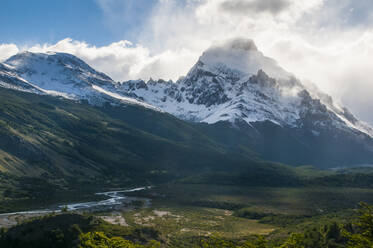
column 57, row 145
column 235, row 213
column 61, row 231
column 261, row 201
column 72, row 230
column 58, row 138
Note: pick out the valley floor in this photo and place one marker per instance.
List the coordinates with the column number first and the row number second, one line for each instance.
column 182, row 214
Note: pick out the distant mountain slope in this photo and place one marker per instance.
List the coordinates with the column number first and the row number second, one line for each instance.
column 279, row 117
column 47, row 134
column 59, row 139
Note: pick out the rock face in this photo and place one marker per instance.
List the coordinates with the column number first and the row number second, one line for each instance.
column 232, row 84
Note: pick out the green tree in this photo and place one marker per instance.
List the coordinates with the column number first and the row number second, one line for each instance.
column 295, row 240
column 362, row 235
column 216, row 242
column 260, row 242
column 100, row 240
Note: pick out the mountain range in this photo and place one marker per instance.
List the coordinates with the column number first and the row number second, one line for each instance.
column 234, row 105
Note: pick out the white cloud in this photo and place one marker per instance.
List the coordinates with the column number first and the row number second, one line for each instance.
column 122, row 60
column 7, row 50
column 324, row 41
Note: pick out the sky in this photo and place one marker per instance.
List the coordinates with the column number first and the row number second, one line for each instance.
column 326, row 42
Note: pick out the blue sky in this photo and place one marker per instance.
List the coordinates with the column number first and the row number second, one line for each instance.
column 25, row 22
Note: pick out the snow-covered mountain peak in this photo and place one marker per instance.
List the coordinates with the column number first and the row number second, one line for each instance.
column 62, row 73
column 233, row 81
column 28, row 61
column 238, row 57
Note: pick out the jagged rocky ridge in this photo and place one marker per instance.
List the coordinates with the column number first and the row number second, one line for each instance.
column 231, row 83
column 278, row 117
column 235, row 82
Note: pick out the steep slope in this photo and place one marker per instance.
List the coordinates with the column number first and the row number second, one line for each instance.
column 282, row 119
column 59, row 139
column 42, row 134
column 54, row 150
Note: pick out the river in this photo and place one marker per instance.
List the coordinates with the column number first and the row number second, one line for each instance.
column 115, row 199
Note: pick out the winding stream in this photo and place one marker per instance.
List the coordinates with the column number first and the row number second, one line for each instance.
column 115, row 198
